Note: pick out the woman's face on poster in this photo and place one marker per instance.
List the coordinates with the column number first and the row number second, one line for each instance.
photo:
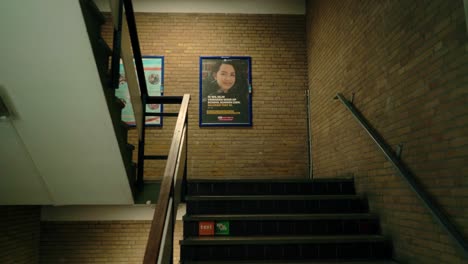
column 225, row 77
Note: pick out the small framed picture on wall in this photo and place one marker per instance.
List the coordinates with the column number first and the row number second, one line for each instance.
column 225, row 91
column 154, row 76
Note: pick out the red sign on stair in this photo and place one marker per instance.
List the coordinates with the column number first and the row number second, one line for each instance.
column 206, row 228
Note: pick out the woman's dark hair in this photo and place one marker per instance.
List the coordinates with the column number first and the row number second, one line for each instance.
column 240, row 78
column 218, row 64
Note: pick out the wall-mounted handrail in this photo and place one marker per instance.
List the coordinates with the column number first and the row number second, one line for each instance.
column 165, row 211
column 408, row 176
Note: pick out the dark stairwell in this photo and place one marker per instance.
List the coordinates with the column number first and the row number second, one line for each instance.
column 280, row 222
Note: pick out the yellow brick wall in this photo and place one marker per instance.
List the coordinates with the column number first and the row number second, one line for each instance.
column 94, row 242
column 276, row 144
column 19, row 234
column 406, row 62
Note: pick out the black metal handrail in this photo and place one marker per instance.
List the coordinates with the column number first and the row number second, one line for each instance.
column 408, row 176
column 116, row 48
column 129, row 14
column 159, row 244
column 144, row 96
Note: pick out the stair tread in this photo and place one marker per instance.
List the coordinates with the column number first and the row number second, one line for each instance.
column 270, row 180
column 292, row 217
column 272, row 197
column 296, row 262
column 228, row 240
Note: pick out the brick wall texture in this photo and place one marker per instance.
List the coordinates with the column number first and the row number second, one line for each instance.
column 407, row 63
column 19, row 234
column 276, row 144
column 94, row 242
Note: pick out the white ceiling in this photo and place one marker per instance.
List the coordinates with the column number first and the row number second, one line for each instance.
column 59, row 146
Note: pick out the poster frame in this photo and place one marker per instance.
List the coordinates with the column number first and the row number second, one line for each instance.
column 127, row 112
column 203, row 74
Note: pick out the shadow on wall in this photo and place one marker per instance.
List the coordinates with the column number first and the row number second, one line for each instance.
column 6, row 105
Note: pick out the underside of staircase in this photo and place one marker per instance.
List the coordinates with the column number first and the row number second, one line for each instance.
column 94, row 19
column 320, row 221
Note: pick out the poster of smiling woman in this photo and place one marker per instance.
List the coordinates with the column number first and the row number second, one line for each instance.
column 225, row 91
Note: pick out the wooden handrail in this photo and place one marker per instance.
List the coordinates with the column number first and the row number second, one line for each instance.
column 406, row 174
column 166, row 202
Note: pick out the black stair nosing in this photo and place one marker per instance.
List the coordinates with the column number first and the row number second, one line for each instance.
column 272, row 197
column 366, row 261
column 280, row 217
column 275, row 180
column 280, row 240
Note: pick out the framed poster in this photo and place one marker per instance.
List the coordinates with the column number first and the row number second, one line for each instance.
column 154, row 76
column 225, row 91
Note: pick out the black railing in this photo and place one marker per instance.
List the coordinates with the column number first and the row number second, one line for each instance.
column 408, row 176
column 116, row 47
column 159, row 245
column 129, row 14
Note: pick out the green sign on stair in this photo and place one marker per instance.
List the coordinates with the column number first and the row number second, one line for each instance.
column 222, row 228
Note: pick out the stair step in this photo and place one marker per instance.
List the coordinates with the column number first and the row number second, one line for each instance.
column 272, row 187
column 278, row 217
column 294, row 262
column 274, row 204
column 293, row 224
column 291, row 248
column 274, row 240
column 270, row 197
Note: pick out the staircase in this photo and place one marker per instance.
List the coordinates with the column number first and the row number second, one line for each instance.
column 242, row 221
column 94, row 19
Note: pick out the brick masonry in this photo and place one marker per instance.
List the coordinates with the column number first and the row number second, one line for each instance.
column 407, row 63
column 274, row 147
column 19, row 234
column 94, row 242
column 404, row 60
column 276, row 144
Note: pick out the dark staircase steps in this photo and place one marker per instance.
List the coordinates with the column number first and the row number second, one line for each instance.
column 279, row 204
column 285, row 248
column 293, row 224
column 287, row 221
column 274, row 240
column 271, row 187
column 247, row 217
column 294, row 262
column 93, row 19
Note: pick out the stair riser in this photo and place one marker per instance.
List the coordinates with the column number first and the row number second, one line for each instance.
column 278, row 207
column 330, row 251
column 311, row 227
column 269, row 188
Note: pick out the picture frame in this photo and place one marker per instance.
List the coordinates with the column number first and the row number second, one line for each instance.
column 154, row 77
column 225, row 91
